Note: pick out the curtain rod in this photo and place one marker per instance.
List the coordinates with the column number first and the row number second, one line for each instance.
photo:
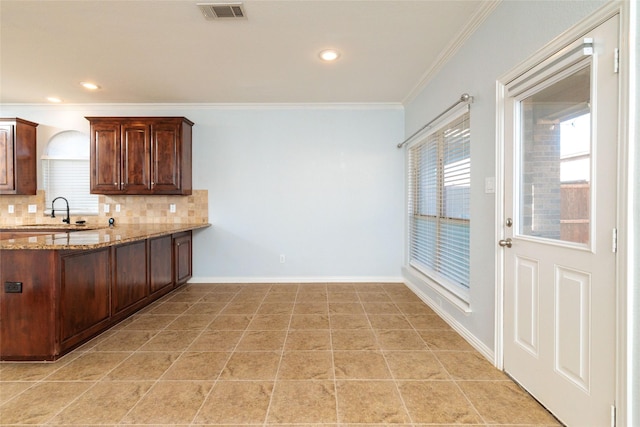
column 464, row 98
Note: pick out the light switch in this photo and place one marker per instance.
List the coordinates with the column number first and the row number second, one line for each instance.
column 11, row 209
column 489, row 185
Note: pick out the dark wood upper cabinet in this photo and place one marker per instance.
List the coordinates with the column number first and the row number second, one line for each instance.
column 105, row 157
column 171, row 168
column 136, row 158
column 18, row 173
column 140, row 155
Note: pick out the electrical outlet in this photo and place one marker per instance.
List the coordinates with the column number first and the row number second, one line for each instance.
column 172, row 208
column 282, row 259
column 11, row 209
column 13, row 287
column 118, row 207
column 106, row 208
column 32, row 208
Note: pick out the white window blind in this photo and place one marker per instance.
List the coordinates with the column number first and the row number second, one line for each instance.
column 439, row 221
column 65, row 173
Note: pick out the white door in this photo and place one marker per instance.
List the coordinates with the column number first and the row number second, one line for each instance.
column 560, row 137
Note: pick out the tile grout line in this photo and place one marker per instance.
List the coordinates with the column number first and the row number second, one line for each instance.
column 394, row 344
column 275, row 379
column 154, row 382
column 80, row 355
column 215, row 382
column 172, row 363
column 333, row 362
column 44, row 379
column 233, row 351
column 386, row 361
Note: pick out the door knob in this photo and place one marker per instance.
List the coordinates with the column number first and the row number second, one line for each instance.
column 506, row 242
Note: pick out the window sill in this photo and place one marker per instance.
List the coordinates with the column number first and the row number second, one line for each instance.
column 419, row 280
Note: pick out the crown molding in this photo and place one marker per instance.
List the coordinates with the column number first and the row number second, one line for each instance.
column 450, row 50
column 213, row 106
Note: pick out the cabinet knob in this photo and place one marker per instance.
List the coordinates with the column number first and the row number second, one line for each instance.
column 115, row 183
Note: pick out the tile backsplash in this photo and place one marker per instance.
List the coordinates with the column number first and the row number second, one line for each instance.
column 193, row 209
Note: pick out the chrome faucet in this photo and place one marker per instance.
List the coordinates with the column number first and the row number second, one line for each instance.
column 53, row 212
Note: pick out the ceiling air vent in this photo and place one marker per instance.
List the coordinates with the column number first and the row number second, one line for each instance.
column 222, row 10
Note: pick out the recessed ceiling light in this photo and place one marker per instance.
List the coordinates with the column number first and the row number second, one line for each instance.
column 90, row 86
column 54, row 99
column 329, row 55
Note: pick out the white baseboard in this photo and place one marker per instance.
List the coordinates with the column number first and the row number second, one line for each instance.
column 302, row 279
column 457, row 326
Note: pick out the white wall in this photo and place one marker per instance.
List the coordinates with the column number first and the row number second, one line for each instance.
column 321, row 185
column 514, row 31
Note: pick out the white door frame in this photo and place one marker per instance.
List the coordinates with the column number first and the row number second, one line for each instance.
column 624, row 203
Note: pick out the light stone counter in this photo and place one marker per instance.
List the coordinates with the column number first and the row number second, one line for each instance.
column 90, row 237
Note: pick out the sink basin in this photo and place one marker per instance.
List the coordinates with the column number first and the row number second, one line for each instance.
column 50, row 225
column 32, row 230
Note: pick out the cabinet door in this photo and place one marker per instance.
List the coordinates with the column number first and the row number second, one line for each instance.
column 29, row 325
column 136, row 158
column 18, row 157
column 182, row 256
column 160, row 264
column 105, row 158
column 130, row 284
column 7, row 181
column 166, row 155
column 84, row 294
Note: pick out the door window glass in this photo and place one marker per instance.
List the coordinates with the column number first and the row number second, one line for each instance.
column 555, row 160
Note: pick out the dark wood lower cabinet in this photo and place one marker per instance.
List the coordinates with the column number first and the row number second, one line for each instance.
column 182, row 257
column 85, row 303
column 28, row 321
column 68, row 297
column 130, row 284
column 161, row 265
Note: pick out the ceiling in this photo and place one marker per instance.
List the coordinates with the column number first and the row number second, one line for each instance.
column 166, row 51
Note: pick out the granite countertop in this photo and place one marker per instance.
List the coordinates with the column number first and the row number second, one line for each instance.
column 89, row 237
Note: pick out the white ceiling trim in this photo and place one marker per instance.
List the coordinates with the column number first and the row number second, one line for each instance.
column 209, row 106
column 448, row 52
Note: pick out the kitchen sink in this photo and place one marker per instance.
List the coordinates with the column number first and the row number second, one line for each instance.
column 34, row 229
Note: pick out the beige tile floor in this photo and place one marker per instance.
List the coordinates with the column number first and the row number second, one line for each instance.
column 277, row 355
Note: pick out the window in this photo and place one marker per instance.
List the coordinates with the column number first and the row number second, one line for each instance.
column 575, row 150
column 555, row 161
column 439, row 184
column 65, row 173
